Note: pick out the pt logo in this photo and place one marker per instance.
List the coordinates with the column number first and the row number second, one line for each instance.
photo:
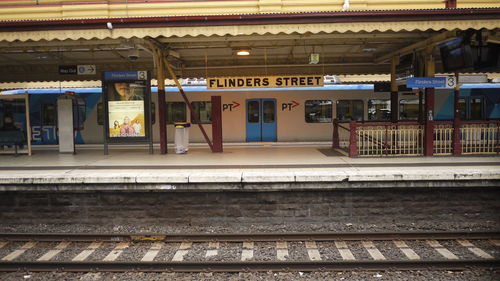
column 230, row 106
column 289, row 106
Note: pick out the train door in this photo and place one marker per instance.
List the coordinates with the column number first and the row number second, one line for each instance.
column 471, row 108
column 261, row 120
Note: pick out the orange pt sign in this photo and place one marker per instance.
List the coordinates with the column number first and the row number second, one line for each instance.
column 265, row 82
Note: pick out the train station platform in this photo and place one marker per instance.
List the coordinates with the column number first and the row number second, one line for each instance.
column 257, row 167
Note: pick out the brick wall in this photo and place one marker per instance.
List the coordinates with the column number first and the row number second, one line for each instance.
column 467, row 206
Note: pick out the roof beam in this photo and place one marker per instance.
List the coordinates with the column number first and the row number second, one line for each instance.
column 431, row 41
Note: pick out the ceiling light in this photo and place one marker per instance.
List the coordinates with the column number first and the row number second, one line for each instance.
column 243, row 52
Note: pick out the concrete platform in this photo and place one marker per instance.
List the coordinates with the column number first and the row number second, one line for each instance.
column 260, row 167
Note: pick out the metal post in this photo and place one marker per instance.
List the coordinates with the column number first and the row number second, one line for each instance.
column 353, row 144
column 394, row 91
column 217, row 123
column 457, row 145
column 429, row 106
column 28, row 121
column 161, row 99
column 421, row 106
column 186, row 100
column 335, row 136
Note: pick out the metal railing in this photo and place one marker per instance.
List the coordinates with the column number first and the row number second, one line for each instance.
column 383, row 139
column 443, row 138
column 480, row 137
column 407, row 138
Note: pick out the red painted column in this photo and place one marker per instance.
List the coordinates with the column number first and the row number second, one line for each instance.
column 451, row 4
column 216, row 123
column 429, row 122
column 335, row 136
column 162, row 120
column 353, row 142
column 457, row 145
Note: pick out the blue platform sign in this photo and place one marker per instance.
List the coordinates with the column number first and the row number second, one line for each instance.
column 426, row 82
column 125, row 75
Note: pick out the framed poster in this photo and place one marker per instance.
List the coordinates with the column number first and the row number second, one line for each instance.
column 127, row 106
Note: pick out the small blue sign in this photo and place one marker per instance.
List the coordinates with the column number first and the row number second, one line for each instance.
column 125, row 75
column 426, row 82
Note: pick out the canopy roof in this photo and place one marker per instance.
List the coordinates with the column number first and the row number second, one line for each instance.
column 353, row 42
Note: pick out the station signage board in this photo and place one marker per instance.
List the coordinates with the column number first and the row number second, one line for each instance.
column 87, row 69
column 127, row 106
column 265, row 82
column 426, row 82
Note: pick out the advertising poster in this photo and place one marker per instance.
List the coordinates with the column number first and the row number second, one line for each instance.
column 126, row 111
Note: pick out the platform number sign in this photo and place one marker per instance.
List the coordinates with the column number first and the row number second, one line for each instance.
column 451, row 81
column 142, row 75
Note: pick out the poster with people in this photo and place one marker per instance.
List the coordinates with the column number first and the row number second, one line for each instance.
column 126, row 109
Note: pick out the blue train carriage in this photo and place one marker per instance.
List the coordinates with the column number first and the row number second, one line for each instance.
column 43, row 111
column 316, row 106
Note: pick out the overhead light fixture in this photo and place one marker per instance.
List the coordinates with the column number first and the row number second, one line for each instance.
column 243, row 52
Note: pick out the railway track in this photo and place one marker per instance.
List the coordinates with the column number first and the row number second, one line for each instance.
column 249, row 252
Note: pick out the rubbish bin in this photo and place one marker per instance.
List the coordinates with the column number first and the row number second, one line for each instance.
column 182, row 137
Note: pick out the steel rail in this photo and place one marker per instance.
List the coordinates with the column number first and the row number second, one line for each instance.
column 247, row 266
column 257, row 237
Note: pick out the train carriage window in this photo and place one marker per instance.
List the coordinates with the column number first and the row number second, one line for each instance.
column 153, row 113
column 318, row 111
column 100, row 114
column 379, row 110
column 49, row 114
column 79, row 112
column 471, row 108
column 476, row 108
column 268, row 111
column 204, row 110
column 176, row 112
column 462, row 109
column 408, row 109
column 253, row 111
column 350, row 110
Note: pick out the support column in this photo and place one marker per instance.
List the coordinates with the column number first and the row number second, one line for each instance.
column 335, row 135
column 394, row 90
column 216, row 123
column 429, row 106
column 421, row 106
column 457, row 145
column 162, row 116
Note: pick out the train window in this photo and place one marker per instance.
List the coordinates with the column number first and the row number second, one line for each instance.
column 49, row 114
column 408, row 109
column 471, row 108
column 79, row 112
column 350, row 110
column 176, row 112
column 100, row 114
column 379, row 110
column 318, row 111
column 204, row 110
column 253, row 111
column 476, row 108
column 462, row 109
column 153, row 113
column 268, row 114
